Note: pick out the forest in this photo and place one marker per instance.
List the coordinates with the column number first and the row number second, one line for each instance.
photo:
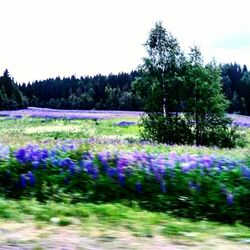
column 112, row 92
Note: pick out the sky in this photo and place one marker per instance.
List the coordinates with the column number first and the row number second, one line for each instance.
column 49, row 38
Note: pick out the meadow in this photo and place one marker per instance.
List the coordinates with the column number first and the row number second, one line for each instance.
column 88, row 174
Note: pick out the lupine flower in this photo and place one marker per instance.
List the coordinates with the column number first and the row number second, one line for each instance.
column 186, row 167
column 103, row 158
column 122, row 161
column 72, row 169
column 121, row 179
column 245, row 172
column 191, row 185
column 20, row 155
column 55, row 161
column 35, row 164
column 111, row 172
column 31, row 178
column 67, row 162
column 206, row 161
column 90, row 168
column 23, row 180
column 230, row 198
column 31, row 153
column 125, row 123
column 194, row 186
column 172, row 156
column 67, row 146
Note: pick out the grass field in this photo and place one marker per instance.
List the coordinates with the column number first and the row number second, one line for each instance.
column 28, row 224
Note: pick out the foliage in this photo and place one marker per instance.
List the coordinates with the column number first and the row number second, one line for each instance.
column 205, row 104
column 97, row 92
column 160, row 85
column 236, row 87
column 115, row 91
column 194, row 186
column 10, row 96
column 184, row 102
column 169, row 129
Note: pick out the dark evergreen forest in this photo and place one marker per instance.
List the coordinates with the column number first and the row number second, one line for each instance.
column 10, row 95
column 112, row 92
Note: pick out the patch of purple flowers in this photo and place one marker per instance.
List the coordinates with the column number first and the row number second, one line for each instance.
column 230, row 198
column 47, row 113
column 125, row 123
column 32, row 154
column 136, row 172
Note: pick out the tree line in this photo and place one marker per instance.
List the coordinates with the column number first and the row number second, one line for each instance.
column 115, row 92
column 236, row 87
column 112, row 92
column 10, row 95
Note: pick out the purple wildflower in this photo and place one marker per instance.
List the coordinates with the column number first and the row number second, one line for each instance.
column 230, row 198
column 191, row 185
column 125, row 123
column 245, row 172
column 194, row 186
column 186, row 166
column 111, row 172
column 206, row 161
column 35, row 164
column 31, row 153
column 103, row 158
column 20, row 155
column 23, row 180
column 121, row 179
column 31, row 178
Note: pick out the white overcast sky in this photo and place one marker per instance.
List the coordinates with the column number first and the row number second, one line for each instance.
column 48, row 38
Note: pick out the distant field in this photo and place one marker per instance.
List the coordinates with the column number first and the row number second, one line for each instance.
column 33, row 112
column 70, row 114
column 43, row 125
column 19, row 128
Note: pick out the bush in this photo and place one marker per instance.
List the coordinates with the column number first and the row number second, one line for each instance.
column 168, row 129
column 173, row 129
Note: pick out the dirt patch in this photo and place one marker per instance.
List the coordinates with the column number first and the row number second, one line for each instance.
column 43, row 236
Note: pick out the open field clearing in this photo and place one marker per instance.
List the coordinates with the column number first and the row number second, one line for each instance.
column 240, row 120
column 70, row 114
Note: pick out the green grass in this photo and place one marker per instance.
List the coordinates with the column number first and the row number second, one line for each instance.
column 107, row 216
column 47, row 132
column 20, row 131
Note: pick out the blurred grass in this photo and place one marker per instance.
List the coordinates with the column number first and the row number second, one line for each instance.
column 104, row 217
